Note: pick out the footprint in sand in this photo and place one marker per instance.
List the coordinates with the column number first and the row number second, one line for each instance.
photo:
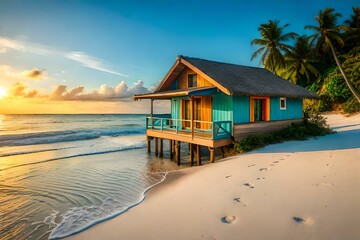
column 275, row 161
column 251, row 165
column 250, row 185
column 272, row 164
column 228, row 176
column 263, row 169
column 303, row 220
column 238, row 200
column 228, row 219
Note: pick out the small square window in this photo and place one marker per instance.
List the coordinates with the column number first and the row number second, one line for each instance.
column 192, row 80
column 282, row 103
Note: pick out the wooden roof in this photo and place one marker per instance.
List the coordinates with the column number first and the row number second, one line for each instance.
column 233, row 79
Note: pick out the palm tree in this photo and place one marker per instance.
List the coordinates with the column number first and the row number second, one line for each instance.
column 272, row 45
column 327, row 31
column 299, row 59
column 352, row 33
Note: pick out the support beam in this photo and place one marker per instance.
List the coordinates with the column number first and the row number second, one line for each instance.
column 156, row 147
column 191, row 154
column 152, row 113
column 212, row 155
column 198, row 155
column 192, row 116
column 161, row 148
column 170, row 149
column 223, row 151
column 148, row 144
column 177, row 152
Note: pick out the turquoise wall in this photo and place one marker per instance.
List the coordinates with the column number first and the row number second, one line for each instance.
column 241, row 109
column 293, row 109
column 222, row 107
column 175, row 108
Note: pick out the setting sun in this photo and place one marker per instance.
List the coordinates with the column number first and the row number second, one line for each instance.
column 2, row 93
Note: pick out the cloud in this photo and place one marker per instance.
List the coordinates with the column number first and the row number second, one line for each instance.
column 23, row 46
column 9, row 73
column 105, row 93
column 6, row 43
column 35, row 74
column 84, row 59
column 91, row 62
column 21, row 89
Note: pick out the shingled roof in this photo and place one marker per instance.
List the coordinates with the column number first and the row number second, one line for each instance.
column 248, row 81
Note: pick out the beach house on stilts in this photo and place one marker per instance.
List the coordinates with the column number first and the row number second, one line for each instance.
column 214, row 104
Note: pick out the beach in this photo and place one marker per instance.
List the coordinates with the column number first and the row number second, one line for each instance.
column 293, row 190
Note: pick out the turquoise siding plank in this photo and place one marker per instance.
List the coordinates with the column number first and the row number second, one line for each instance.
column 293, row 109
column 222, row 107
column 241, row 109
column 222, row 110
column 175, row 108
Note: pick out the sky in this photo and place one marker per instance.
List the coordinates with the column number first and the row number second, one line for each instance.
column 74, row 56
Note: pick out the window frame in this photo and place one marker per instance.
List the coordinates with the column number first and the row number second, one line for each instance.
column 284, row 100
column 192, row 76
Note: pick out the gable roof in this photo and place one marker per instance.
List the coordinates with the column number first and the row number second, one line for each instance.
column 239, row 80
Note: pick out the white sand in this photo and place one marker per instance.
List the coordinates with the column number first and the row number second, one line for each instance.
column 317, row 180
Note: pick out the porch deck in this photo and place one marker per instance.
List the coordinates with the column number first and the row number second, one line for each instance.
column 204, row 133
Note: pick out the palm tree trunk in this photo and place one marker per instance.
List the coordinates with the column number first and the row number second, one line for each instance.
column 351, row 87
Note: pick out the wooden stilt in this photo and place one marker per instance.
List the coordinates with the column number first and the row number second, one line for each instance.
column 198, row 155
column 223, row 151
column 177, row 150
column 191, row 154
column 170, row 149
column 161, row 148
column 156, row 147
column 149, row 145
column 212, row 155
column 174, row 146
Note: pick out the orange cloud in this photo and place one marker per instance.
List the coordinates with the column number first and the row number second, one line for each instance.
column 21, row 89
column 35, row 74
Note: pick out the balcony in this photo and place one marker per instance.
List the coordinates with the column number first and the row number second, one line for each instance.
column 205, row 133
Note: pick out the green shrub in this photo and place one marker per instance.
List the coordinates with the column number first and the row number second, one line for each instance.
column 351, row 106
column 313, row 125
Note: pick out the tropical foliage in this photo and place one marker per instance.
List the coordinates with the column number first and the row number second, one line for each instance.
column 326, row 62
column 272, row 45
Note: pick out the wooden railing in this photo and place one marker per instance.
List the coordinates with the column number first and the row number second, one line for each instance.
column 196, row 128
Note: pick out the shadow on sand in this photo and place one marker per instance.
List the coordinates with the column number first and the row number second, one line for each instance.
column 345, row 139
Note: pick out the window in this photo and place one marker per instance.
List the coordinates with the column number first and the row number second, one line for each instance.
column 192, row 80
column 282, row 103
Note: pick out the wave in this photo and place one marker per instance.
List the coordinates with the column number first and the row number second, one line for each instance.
column 32, row 151
column 64, row 136
column 111, row 149
column 78, row 219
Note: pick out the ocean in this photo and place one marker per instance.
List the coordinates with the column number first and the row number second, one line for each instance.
column 61, row 174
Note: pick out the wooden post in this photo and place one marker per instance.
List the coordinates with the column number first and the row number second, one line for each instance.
column 152, row 113
column 223, row 151
column 177, row 152
column 170, row 149
column 191, row 154
column 161, row 148
column 198, row 155
column 212, row 155
column 192, row 116
column 156, row 147
column 149, row 144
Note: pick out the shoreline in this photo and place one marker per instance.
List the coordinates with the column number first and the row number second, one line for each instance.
column 196, row 199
